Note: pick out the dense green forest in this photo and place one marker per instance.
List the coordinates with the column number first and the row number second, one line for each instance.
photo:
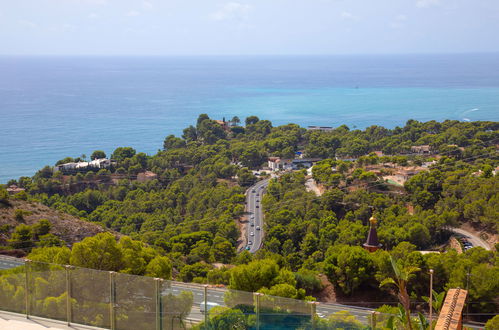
column 186, row 218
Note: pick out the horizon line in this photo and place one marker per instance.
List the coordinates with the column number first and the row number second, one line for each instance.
column 256, row 55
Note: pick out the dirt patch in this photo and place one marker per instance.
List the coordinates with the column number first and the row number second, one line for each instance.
column 328, row 293
column 67, row 227
column 241, row 225
column 454, row 244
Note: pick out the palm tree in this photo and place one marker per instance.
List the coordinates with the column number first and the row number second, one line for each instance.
column 235, row 121
column 438, row 301
column 402, row 276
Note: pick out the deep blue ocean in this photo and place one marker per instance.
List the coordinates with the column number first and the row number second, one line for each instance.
column 53, row 107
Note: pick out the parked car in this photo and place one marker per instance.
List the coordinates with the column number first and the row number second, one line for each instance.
column 250, row 242
column 252, row 234
column 257, row 206
column 257, row 227
column 209, row 305
column 252, row 224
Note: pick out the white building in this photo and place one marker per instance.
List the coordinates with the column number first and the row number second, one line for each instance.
column 65, row 167
column 276, row 164
column 320, row 128
column 94, row 164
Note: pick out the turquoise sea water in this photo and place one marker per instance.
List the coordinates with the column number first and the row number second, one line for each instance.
column 53, row 107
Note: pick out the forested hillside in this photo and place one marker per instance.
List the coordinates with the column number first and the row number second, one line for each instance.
column 189, row 213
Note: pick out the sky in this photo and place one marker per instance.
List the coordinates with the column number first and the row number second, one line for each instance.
column 247, row 27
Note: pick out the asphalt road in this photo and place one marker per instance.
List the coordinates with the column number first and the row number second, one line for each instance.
column 216, row 295
column 473, row 239
column 7, row 262
column 254, row 210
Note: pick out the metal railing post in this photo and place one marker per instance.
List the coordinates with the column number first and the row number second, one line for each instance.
column 373, row 319
column 257, row 309
column 68, row 295
column 27, row 266
column 205, row 294
column 313, row 313
column 112, row 298
column 159, row 317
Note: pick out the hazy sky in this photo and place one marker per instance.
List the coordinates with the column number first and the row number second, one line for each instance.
column 196, row 27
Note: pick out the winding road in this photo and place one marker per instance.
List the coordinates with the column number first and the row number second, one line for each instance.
column 254, row 227
column 472, row 238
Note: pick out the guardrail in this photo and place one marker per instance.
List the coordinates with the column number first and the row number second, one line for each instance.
column 121, row 301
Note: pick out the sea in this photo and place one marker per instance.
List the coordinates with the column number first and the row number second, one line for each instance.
column 52, row 107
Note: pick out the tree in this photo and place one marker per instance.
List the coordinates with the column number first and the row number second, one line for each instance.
column 255, row 275
column 44, row 173
column 251, row 120
column 176, row 308
column 251, row 157
column 197, row 270
column 493, row 323
column 308, row 280
column 340, row 320
column 349, row 267
column 172, row 142
column 21, row 237
column 51, row 254
column 235, row 120
column 122, row 153
column 222, row 250
column 135, row 255
column 98, row 154
column 160, row 267
column 332, row 199
column 65, row 160
column 210, row 131
column 225, row 318
column 42, row 227
column 245, row 178
column 202, row 117
column 309, row 244
column 284, row 290
column 437, row 301
column 49, row 240
column 4, row 196
column 402, row 277
column 190, row 134
column 98, row 252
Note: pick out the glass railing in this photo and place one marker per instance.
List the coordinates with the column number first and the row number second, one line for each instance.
column 120, row 301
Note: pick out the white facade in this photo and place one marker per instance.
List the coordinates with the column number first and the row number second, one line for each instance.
column 96, row 163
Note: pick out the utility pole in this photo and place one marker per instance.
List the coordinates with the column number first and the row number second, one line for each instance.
column 468, row 290
column 431, row 297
